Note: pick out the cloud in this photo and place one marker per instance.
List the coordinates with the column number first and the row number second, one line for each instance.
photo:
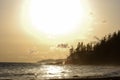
column 33, row 50
column 62, row 45
column 104, row 21
column 59, row 47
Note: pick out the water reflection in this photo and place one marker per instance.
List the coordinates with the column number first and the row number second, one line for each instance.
column 52, row 71
column 70, row 71
column 38, row 72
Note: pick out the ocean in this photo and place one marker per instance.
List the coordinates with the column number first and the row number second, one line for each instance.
column 35, row 71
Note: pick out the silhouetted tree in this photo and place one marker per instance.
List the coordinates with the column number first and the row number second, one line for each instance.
column 107, row 50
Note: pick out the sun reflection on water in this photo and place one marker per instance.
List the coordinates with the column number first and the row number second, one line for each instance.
column 54, row 70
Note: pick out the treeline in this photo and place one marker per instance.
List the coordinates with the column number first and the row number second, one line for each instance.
column 105, row 51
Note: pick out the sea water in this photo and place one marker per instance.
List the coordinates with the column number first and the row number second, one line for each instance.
column 28, row 71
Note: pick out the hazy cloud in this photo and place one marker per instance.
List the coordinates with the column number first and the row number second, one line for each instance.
column 33, row 50
column 104, row 21
column 62, row 45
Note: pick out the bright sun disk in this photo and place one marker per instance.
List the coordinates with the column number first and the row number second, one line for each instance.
column 56, row 17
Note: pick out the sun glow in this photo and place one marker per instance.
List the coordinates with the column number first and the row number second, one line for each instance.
column 56, row 17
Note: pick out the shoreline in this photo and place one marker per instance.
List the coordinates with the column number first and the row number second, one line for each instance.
column 76, row 78
column 99, row 78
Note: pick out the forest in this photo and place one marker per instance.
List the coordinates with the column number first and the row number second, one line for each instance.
column 105, row 51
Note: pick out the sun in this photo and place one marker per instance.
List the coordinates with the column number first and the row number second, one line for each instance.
column 56, row 17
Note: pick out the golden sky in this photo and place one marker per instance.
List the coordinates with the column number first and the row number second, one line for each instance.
column 31, row 30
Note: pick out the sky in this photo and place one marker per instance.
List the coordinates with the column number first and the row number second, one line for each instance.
column 21, row 43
